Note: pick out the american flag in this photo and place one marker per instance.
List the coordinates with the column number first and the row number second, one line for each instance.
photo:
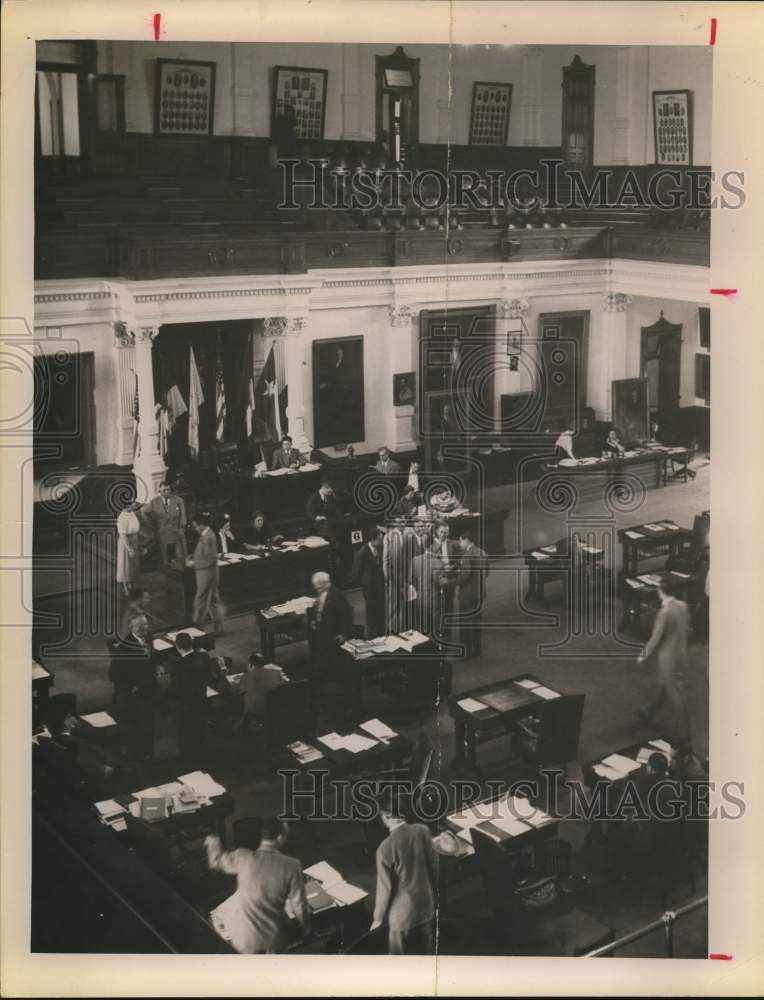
column 220, row 396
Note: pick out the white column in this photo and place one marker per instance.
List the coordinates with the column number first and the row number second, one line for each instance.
column 124, row 365
column 351, row 96
column 401, row 354
column 615, row 307
column 622, row 122
column 445, row 99
column 531, row 96
column 148, row 466
column 288, row 330
column 243, row 98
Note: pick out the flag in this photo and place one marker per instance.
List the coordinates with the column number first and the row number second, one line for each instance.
column 250, row 410
column 176, row 407
column 195, row 400
column 219, row 396
column 136, row 420
column 267, row 409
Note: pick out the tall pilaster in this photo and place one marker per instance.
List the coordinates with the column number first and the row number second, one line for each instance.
column 615, row 306
column 622, row 122
column 401, row 353
column 148, row 463
column 287, row 330
column 124, row 366
column 531, row 97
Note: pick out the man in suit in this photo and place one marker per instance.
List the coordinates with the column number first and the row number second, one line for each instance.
column 421, row 589
column 266, row 881
column 168, row 515
column 408, row 503
column 132, row 671
column 205, row 563
column 259, row 678
column 386, row 464
column 406, row 883
column 191, row 673
column 668, row 643
column 470, row 580
column 287, row 457
column 322, row 507
column 330, row 623
column 368, row 575
column 445, row 554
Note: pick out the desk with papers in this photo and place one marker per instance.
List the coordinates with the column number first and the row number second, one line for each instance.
column 256, row 579
column 510, row 821
column 283, row 624
column 402, row 664
column 642, row 591
column 357, row 750
column 555, row 563
column 646, row 541
column 592, row 475
column 188, row 800
column 491, row 711
column 614, row 769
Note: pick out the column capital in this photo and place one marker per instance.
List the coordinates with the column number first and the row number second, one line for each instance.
column 616, row 302
column 403, row 315
column 122, row 336
column 283, row 326
column 513, row 308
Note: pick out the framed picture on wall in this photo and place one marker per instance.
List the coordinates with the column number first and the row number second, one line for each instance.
column 489, row 120
column 338, row 396
column 184, row 97
column 302, row 92
column 672, row 126
column 404, row 388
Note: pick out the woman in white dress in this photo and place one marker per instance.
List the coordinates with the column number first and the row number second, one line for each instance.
column 128, row 553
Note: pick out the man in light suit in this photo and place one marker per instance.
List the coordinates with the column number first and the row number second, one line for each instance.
column 470, row 579
column 406, row 883
column 168, row 515
column 386, row 464
column 668, row 643
column 205, row 562
column 287, row 457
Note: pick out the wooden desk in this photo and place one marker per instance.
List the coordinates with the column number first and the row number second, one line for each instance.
column 257, row 583
column 543, row 828
column 280, row 498
column 653, row 539
column 648, row 465
column 213, row 815
column 280, row 630
column 490, row 723
column 388, row 754
column 636, row 593
column 425, row 664
column 554, row 563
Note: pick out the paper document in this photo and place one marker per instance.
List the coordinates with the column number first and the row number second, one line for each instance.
column 655, row 527
column 356, row 743
column 644, row 754
column 546, row 693
column 211, row 692
column 171, row 788
column 620, row 763
column 99, row 719
column 508, row 824
column 671, row 526
column 161, row 644
column 540, row 555
column 332, row 740
column 661, row 745
column 346, row 893
column 38, row 672
column 634, row 584
column 538, row 818
column 633, row 534
column 277, row 472
column 471, row 705
column 526, row 682
column 192, row 631
column 110, row 808
column 602, row 771
column 651, row 579
column 323, row 872
column 551, row 549
column 202, row 783
column 309, row 467
column 414, row 637
column 377, row 728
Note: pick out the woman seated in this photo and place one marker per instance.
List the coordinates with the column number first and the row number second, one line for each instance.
column 564, row 444
column 257, row 535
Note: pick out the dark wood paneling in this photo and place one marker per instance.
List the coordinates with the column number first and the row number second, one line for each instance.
column 655, row 244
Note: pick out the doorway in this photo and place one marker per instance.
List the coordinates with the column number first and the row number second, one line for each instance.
column 661, row 365
column 563, row 356
column 64, row 412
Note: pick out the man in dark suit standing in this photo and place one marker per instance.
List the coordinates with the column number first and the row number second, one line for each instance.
column 330, row 623
column 190, row 675
column 168, row 515
column 470, row 580
column 369, row 576
column 668, row 643
column 406, row 883
column 132, row 671
column 321, row 508
column 205, row 563
column 287, row 457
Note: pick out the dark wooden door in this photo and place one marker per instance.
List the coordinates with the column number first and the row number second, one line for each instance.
column 661, row 366
column 562, row 367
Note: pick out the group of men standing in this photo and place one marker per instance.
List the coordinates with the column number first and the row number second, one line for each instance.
column 416, row 575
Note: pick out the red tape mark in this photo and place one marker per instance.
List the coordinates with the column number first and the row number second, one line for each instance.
column 717, row 956
column 723, row 291
column 713, row 31
column 158, row 26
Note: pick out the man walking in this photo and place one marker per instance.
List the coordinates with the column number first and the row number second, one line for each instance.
column 668, row 643
column 205, row 563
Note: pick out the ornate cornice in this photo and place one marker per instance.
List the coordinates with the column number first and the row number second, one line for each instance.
column 513, row 308
column 45, row 297
column 403, row 315
column 283, row 326
column 616, row 302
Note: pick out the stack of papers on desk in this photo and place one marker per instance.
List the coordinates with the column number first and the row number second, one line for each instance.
column 304, row 752
column 471, row 705
column 314, row 542
column 671, row 526
column 309, row 467
column 332, row 740
column 540, row 555
column 608, row 773
column 297, row 606
column 355, row 652
column 527, row 683
column 635, row 584
column 160, row 645
column 546, row 693
column 634, row 534
column 99, row 719
column 354, row 743
column 651, row 579
column 334, row 884
column 277, row 472
column 249, row 556
column 191, row 630
column 112, row 814
column 661, row 745
column 375, row 727
column 591, row 549
column 414, row 638
column 655, row 527
column 618, row 762
column 202, row 783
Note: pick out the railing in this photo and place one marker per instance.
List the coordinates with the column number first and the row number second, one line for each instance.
column 665, row 923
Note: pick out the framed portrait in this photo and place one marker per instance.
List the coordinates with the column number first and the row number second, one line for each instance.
column 304, row 92
column 489, row 120
column 184, row 97
column 338, row 395
column 631, row 409
column 404, row 389
column 672, row 126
